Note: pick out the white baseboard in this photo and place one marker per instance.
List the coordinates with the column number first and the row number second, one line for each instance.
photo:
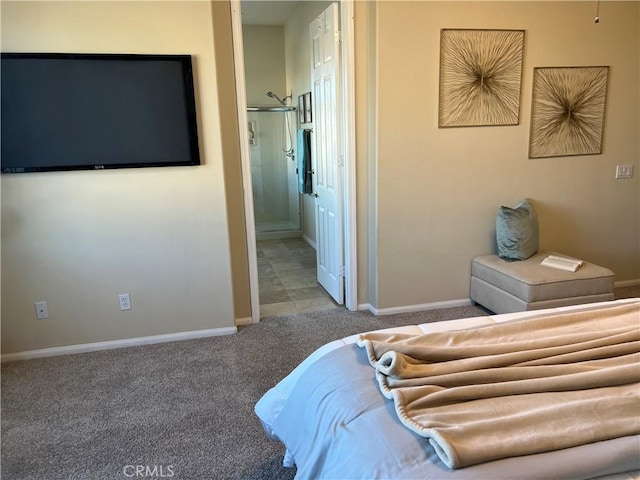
column 127, row 342
column 462, row 302
column 310, row 242
column 278, row 234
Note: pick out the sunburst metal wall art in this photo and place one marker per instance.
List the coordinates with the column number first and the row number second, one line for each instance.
column 567, row 111
column 480, row 77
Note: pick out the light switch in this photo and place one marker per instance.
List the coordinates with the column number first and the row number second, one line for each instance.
column 624, row 171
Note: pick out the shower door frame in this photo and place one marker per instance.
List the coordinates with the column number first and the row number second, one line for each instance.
column 347, row 79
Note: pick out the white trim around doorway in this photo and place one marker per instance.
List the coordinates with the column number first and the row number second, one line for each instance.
column 349, row 89
column 241, row 95
column 348, row 81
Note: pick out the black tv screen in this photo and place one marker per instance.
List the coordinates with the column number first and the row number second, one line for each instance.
column 94, row 111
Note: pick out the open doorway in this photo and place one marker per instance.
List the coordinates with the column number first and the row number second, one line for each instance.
column 282, row 252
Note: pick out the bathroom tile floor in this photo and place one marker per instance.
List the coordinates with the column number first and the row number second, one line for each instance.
column 287, row 278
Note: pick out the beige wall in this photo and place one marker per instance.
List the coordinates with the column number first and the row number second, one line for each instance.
column 438, row 190
column 227, row 101
column 264, row 62
column 427, row 197
column 78, row 239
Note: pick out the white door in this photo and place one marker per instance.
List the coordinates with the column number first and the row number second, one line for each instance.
column 327, row 150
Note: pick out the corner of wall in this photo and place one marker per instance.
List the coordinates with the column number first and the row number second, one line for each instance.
column 227, row 99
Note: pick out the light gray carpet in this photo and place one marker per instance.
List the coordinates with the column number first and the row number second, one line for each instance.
column 185, row 408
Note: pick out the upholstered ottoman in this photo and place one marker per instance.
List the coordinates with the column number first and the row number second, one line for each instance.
column 505, row 287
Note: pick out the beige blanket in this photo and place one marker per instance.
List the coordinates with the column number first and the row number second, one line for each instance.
column 515, row 388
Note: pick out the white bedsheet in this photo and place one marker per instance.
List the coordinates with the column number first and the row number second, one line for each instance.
column 330, row 455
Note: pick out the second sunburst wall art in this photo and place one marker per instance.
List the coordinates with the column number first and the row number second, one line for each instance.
column 567, row 111
column 480, row 77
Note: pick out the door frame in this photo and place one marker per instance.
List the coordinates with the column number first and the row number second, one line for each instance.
column 347, row 77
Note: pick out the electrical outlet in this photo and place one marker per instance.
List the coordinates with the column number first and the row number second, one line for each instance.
column 125, row 301
column 42, row 311
column 624, row 171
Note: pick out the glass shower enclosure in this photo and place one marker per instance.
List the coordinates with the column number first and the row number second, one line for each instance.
column 276, row 200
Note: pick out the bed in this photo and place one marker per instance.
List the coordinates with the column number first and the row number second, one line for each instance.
column 342, row 414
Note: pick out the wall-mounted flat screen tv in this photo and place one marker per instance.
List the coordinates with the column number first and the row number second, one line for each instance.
column 94, row 111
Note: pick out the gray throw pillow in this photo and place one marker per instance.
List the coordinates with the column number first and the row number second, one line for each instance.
column 517, row 231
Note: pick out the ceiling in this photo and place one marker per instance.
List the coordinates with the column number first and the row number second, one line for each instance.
column 267, row 12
